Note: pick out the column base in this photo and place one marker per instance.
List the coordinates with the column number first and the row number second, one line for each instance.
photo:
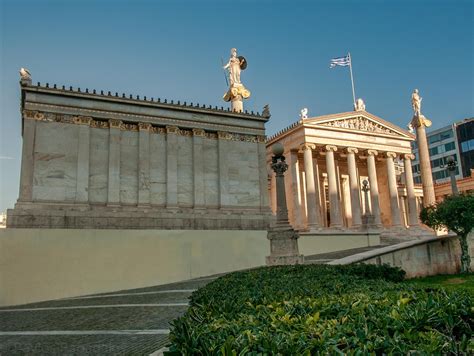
column 283, row 246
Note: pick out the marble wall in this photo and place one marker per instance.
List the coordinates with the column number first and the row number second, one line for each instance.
column 104, row 162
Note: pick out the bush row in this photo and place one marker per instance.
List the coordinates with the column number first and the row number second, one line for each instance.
column 323, row 309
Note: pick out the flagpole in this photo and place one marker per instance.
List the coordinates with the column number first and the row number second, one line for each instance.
column 352, row 79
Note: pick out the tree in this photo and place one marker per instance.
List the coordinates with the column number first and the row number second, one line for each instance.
column 455, row 213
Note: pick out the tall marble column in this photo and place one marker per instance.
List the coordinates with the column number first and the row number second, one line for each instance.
column 172, row 166
column 27, row 159
column 334, row 207
column 354, row 186
column 319, row 201
column 82, row 181
column 374, row 187
column 412, row 211
column 144, row 164
column 393, row 189
column 198, row 168
column 311, row 201
column 419, row 122
column 113, row 191
column 295, row 191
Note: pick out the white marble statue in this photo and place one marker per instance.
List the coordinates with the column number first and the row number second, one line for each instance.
column 304, row 113
column 359, row 105
column 25, row 74
column 234, row 67
column 416, row 102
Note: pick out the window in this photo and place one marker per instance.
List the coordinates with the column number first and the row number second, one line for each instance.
column 433, row 139
column 449, row 147
column 433, row 151
column 467, row 145
column 446, row 134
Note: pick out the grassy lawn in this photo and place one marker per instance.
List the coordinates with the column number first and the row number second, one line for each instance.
column 450, row 282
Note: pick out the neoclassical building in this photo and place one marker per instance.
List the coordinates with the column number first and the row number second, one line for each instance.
column 101, row 160
column 347, row 170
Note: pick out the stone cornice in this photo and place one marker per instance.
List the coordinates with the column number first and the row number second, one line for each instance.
column 115, row 97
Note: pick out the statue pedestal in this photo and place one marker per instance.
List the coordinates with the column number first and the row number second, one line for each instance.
column 237, row 104
column 283, row 246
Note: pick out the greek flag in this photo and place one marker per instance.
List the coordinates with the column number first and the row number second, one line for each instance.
column 340, row 61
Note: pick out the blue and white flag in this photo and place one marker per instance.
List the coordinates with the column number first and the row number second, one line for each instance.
column 340, row 61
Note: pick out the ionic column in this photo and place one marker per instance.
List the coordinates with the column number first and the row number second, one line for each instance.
column 354, row 186
column 27, row 158
column 198, row 168
column 334, row 207
column 393, row 189
column 82, row 180
column 317, row 183
column 412, row 210
column 374, row 187
column 172, row 166
column 113, row 191
column 297, row 211
column 425, row 163
column 311, row 201
column 144, row 163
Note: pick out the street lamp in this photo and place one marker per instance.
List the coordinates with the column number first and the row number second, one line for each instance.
column 451, row 168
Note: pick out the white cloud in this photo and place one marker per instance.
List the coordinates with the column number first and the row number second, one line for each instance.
column 6, row 157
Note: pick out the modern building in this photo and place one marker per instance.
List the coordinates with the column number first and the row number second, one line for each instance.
column 465, row 136
column 455, row 140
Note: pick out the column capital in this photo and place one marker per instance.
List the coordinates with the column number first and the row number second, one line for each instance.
column 144, row 126
column 307, row 146
column 409, row 156
column 115, row 124
column 199, row 132
column 330, row 148
column 352, row 150
column 372, row 152
column 391, row 154
column 172, row 130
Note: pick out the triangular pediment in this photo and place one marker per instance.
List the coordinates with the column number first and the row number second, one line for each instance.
column 358, row 121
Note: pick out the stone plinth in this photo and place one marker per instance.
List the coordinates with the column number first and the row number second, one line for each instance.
column 283, row 247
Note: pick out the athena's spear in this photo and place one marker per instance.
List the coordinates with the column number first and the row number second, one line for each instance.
column 225, row 74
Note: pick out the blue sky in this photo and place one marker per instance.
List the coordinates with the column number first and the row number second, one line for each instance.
column 173, row 49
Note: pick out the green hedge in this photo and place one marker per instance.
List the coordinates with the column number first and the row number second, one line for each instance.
column 357, row 309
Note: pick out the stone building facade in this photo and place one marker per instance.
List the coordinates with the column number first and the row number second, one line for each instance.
column 104, row 160
column 329, row 159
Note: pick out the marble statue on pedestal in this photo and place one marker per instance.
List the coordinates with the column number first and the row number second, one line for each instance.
column 359, row 105
column 416, row 102
column 237, row 91
column 419, row 122
column 304, row 113
column 25, row 76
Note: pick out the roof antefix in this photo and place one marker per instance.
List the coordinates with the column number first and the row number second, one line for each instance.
column 150, row 100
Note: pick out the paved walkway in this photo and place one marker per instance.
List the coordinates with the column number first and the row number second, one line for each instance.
column 121, row 323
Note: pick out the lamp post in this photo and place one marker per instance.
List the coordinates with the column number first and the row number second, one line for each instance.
column 451, row 167
column 283, row 238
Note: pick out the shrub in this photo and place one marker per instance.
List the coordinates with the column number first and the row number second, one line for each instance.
column 455, row 213
column 322, row 309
